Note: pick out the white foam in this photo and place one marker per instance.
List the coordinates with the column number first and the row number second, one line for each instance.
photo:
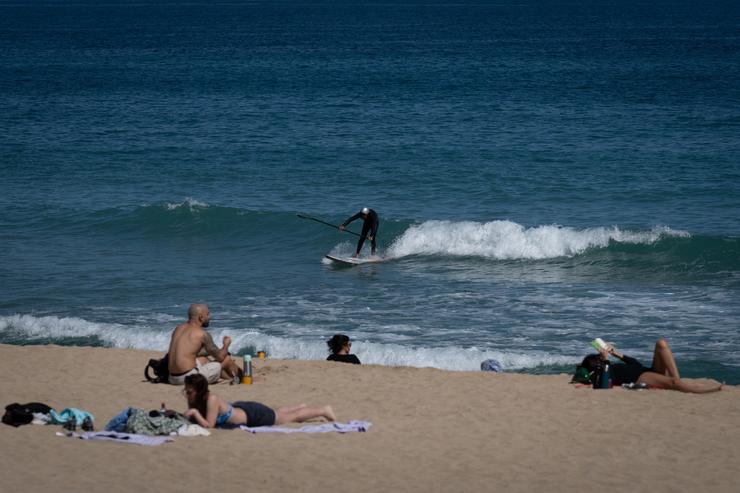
column 116, row 335
column 189, row 203
column 507, row 240
column 142, row 337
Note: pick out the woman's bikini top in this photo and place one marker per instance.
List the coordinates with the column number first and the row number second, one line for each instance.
column 223, row 418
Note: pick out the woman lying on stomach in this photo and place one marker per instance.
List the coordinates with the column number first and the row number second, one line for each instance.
column 210, row 410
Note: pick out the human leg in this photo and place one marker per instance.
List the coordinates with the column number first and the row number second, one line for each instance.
column 361, row 241
column 229, row 369
column 663, row 360
column 300, row 414
column 293, row 408
column 665, row 382
column 210, row 370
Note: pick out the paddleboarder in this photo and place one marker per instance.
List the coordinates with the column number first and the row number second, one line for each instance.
column 370, row 225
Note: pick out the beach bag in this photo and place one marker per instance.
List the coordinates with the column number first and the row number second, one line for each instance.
column 143, row 422
column 160, row 368
column 582, row 375
column 491, row 365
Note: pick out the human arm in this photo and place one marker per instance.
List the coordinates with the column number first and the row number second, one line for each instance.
column 194, row 415
column 625, row 359
column 209, row 421
column 349, row 220
column 213, row 350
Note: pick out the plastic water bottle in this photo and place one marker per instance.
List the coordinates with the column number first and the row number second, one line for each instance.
column 247, row 377
column 604, row 380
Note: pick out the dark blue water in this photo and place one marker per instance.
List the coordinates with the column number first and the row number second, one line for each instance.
column 546, row 172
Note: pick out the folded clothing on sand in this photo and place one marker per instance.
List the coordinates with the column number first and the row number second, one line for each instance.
column 143, row 422
column 22, row 414
column 68, row 414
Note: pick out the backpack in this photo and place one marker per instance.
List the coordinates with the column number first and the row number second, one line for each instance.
column 161, row 370
column 582, row 375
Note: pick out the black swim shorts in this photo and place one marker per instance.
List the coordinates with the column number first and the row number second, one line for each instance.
column 257, row 414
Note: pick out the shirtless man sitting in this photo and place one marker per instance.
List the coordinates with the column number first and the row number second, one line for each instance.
column 190, row 347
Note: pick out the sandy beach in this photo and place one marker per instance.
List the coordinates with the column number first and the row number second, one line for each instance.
column 432, row 431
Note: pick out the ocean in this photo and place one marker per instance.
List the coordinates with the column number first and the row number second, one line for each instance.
column 545, row 171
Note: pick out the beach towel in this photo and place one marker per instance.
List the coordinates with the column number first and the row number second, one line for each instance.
column 113, row 436
column 360, row 426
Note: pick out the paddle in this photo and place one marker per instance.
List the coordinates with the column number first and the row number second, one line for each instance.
column 324, row 222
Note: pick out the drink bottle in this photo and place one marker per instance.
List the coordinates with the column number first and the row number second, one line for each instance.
column 247, row 377
column 596, row 377
column 604, row 380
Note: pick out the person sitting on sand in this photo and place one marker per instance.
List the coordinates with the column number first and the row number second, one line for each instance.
column 191, row 346
column 663, row 374
column 210, row 410
column 340, row 345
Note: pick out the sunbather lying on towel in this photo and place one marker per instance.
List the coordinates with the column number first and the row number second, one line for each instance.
column 210, row 410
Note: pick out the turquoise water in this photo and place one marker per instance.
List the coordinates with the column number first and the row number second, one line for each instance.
column 545, row 172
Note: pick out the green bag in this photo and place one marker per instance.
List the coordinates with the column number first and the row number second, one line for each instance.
column 582, row 375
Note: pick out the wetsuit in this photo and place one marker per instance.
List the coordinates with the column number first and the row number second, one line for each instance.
column 627, row 372
column 370, row 225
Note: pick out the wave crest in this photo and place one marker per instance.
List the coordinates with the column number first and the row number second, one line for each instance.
column 24, row 329
column 507, row 240
column 189, row 203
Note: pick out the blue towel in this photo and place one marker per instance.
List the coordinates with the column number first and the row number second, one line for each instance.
column 64, row 416
column 118, row 423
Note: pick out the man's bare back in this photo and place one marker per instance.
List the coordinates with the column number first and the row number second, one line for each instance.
column 191, row 339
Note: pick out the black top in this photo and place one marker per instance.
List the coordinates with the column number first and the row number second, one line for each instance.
column 370, row 223
column 627, row 372
column 344, row 358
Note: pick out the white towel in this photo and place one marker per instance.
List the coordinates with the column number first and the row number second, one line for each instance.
column 322, row 428
column 115, row 436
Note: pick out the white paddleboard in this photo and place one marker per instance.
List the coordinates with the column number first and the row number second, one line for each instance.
column 354, row 261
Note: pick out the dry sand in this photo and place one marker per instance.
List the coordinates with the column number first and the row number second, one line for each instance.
column 432, row 431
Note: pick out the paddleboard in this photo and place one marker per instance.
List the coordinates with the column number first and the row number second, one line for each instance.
column 354, row 261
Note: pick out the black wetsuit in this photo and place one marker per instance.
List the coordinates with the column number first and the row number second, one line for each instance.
column 370, row 225
column 627, row 372
column 344, row 358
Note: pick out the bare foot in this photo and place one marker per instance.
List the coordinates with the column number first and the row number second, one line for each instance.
column 329, row 413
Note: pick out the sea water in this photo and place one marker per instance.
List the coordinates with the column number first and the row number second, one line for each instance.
column 546, row 172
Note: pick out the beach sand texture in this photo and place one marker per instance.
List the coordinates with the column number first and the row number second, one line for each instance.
column 432, row 431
